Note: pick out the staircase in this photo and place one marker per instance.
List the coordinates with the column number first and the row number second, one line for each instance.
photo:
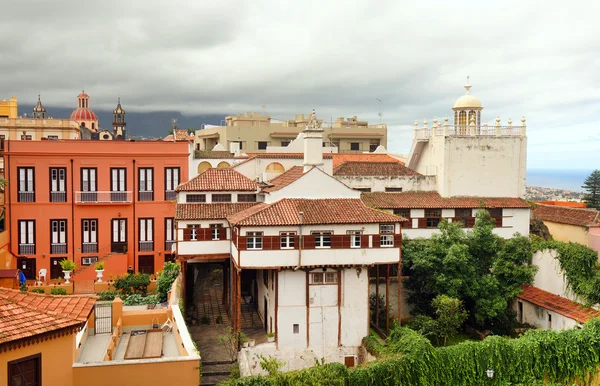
column 415, row 152
column 84, row 276
column 215, row 372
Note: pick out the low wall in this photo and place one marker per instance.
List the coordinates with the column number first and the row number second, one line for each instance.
column 106, row 285
column 48, row 287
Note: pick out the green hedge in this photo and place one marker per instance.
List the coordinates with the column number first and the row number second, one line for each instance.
column 561, row 357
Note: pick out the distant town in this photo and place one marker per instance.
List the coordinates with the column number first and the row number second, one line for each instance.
column 537, row 193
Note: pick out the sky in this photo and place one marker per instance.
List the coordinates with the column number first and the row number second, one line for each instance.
column 537, row 59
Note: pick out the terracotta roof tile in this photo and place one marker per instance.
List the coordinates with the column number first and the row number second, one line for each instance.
column 284, row 179
column 363, row 169
column 568, row 204
column 219, row 180
column 563, row 215
column 315, row 211
column 200, row 211
column 285, row 155
column 341, row 158
column 26, row 314
column 558, row 304
column 423, row 200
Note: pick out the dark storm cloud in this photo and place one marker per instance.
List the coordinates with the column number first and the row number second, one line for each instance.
column 537, row 59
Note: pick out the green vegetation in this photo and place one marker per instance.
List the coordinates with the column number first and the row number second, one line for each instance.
column 539, row 356
column 67, row 265
column 108, row 295
column 592, row 188
column 137, row 299
column 270, row 364
column 231, row 341
column 58, row 291
column 165, row 280
column 100, row 266
column 132, row 284
column 37, row 290
column 450, row 316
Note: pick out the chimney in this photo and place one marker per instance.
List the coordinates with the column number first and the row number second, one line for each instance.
column 234, row 147
column 313, row 144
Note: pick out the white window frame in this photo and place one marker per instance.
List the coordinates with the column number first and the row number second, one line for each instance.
column 354, row 238
column 322, row 239
column 118, row 179
column 26, row 180
column 171, row 178
column 170, row 230
column 323, row 278
column 254, row 240
column 58, row 180
column 89, row 182
column 119, row 234
column 387, row 235
column 146, row 232
column 58, row 231
column 27, row 232
column 287, row 240
column 214, row 230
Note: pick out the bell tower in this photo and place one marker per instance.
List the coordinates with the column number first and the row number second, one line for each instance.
column 467, row 111
column 119, row 124
column 39, row 111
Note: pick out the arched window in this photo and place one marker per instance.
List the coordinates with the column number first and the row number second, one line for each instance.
column 93, row 126
column 203, row 166
column 275, row 167
column 223, row 165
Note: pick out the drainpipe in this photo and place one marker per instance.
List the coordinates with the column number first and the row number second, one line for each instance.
column 8, row 214
column 134, row 219
column 72, row 210
column 300, row 243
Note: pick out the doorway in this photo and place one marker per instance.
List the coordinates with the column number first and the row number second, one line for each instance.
column 146, row 264
column 28, row 267
column 55, row 268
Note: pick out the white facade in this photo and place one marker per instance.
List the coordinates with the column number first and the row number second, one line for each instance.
column 379, row 184
column 540, row 317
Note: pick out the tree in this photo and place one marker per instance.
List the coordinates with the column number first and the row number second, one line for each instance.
column 592, row 187
column 450, row 316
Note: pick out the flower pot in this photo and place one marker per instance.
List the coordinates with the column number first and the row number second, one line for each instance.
column 251, row 342
column 270, row 339
column 99, row 275
column 245, row 344
column 67, row 276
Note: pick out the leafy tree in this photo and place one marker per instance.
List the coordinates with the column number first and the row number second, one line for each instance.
column 451, row 316
column 592, row 187
column 480, row 269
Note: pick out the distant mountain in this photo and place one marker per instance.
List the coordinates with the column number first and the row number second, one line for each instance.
column 153, row 124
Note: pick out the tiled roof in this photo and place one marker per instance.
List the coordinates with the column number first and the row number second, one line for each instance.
column 213, row 154
column 182, row 135
column 558, row 304
column 364, row 169
column 284, row 179
column 284, row 155
column 26, row 314
column 572, row 216
column 568, row 204
column 341, row 158
column 423, row 200
column 201, row 211
column 315, row 212
column 219, row 180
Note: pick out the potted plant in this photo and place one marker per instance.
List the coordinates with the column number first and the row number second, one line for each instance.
column 251, row 342
column 243, row 338
column 270, row 337
column 99, row 271
column 67, row 266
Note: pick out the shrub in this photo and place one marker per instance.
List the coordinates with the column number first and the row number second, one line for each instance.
column 270, row 364
column 132, row 284
column 100, row 266
column 137, row 300
column 37, row 290
column 165, row 280
column 67, row 265
column 108, row 295
column 58, row 291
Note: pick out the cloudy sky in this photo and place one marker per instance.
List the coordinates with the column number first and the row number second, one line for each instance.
column 539, row 59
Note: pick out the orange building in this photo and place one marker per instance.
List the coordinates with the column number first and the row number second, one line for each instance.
column 92, row 200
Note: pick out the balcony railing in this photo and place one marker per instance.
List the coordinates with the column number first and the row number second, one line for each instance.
column 58, row 196
column 58, row 249
column 118, row 247
column 146, row 246
column 169, row 245
column 320, row 242
column 204, row 234
column 102, row 197
column 170, row 195
column 26, row 196
column 89, row 248
column 26, row 249
column 146, row 195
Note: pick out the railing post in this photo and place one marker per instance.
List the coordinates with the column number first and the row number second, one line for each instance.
column 523, row 127
column 498, row 131
column 472, row 126
column 446, row 126
column 416, row 128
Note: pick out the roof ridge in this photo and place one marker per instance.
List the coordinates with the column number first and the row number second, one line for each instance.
column 45, row 312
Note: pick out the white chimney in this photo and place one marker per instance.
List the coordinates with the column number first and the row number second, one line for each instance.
column 313, row 144
column 234, row 147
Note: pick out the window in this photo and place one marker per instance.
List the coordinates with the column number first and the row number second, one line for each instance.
column 261, row 145
column 89, row 185
column 25, row 137
column 433, row 217
column 495, row 212
column 58, row 185
column 221, row 198
column 364, row 190
column 354, row 238
column 355, row 146
column 387, row 235
column 2, row 137
column 246, row 197
column 89, row 228
column 118, row 184
column 462, row 216
column 146, row 184
column 285, row 143
column 240, row 143
column 146, row 234
column 53, row 137
column 58, row 237
column 195, row 197
column 119, row 236
column 322, row 239
column 402, row 212
column 25, row 371
column 215, row 230
column 373, row 146
column 170, row 232
column 26, row 237
column 296, row 328
column 286, row 240
column 171, row 182
column 254, row 240
column 193, row 231
column 26, row 184
column 391, row 189
column 324, row 278
column 89, row 260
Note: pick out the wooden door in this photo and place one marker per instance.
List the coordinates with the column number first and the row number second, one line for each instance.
column 28, row 267
column 146, row 264
column 55, row 269
column 349, row 361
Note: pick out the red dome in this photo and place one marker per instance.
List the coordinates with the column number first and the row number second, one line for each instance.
column 83, row 95
column 83, row 115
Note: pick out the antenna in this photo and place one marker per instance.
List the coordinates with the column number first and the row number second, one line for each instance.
column 380, row 113
column 264, row 107
column 174, row 124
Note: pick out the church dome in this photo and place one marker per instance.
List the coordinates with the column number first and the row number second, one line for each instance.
column 467, row 101
column 82, row 114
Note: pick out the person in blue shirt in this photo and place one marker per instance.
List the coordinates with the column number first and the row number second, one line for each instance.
column 22, row 278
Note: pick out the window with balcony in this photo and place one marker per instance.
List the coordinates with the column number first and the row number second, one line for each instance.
column 146, row 184
column 89, row 185
column 320, row 278
column 433, row 217
column 192, row 232
column 215, row 230
column 58, row 237
column 386, row 235
column 246, row 197
column 354, row 238
column 146, row 233
column 254, row 240
column 171, row 182
column 118, row 184
column 195, row 197
column 26, row 184
column 221, row 198
column 170, row 233
column 119, row 236
column 58, row 184
column 322, row 239
column 26, row 237
column 287, row 240
column 89, row 239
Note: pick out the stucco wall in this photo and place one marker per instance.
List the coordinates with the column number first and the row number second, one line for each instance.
column 313, row 184
column 566, row 232
column 594, row 239
column 549, row 276
column 255, row 167
column 378, row 184
column 540, row 317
